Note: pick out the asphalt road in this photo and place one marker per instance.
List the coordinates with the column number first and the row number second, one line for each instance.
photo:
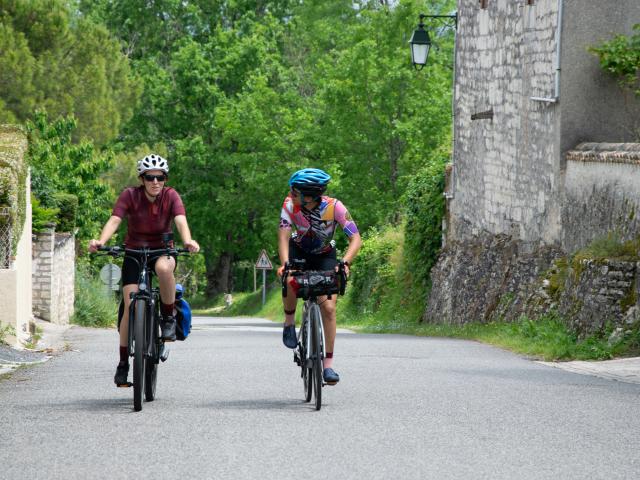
column 229, row 405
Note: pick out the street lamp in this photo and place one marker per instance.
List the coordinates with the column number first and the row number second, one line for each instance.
column 420, row 45
column 420, row 42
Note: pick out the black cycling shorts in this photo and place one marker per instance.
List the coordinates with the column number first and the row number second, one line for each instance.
column 131, row 268
column 324, row 261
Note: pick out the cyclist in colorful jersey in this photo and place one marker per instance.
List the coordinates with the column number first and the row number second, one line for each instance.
column 314, row 217
column 149, row 210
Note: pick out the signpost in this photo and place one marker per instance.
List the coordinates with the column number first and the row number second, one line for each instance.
column 263, row 263
column 110, row 275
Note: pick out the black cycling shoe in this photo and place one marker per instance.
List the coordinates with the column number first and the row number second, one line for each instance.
column 330, row 377
column 168, row 325
column 121, row 375
column 289, row 336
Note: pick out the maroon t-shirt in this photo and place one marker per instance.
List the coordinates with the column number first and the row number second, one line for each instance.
column 147, row 220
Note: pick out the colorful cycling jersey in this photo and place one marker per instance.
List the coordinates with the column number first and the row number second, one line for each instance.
column 315, row 228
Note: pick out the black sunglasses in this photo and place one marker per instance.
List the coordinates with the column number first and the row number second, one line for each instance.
column 151, row 178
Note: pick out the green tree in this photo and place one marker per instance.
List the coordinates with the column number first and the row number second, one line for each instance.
column 60, row 165
column 68, row 65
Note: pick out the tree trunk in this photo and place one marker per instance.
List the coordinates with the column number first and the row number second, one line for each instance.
column 219, row 278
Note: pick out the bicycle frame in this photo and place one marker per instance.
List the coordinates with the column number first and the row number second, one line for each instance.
column 313, row 284
column 150, row 296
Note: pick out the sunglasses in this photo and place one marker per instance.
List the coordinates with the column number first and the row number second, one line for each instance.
column 151, row 178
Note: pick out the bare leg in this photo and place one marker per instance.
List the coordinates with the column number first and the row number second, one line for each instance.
column 328, row 308
column 164, row 270
column 124, row 323
column 289, row 302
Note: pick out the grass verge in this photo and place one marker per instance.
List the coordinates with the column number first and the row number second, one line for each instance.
column 94, row 305
column 546, row 338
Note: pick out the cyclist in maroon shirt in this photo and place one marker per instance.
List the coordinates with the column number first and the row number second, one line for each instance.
column 149, row 210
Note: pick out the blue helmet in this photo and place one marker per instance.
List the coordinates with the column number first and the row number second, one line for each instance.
column 310, row 181
column 179, row 291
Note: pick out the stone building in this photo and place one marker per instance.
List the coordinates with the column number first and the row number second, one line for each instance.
column 522, row 191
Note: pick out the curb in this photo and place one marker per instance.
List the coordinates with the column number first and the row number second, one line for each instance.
column 625, row 370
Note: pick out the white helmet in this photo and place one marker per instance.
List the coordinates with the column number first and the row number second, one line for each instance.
column 152, row 162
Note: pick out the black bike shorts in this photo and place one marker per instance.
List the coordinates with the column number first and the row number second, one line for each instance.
column 325, row 261
column 131, row 268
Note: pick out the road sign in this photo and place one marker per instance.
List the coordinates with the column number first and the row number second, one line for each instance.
column 263, row 262
column 110, row 275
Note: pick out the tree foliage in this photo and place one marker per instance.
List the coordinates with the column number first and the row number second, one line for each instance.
column 238, row 94
column 56, row 61
column 621, row 57
column 60, row 165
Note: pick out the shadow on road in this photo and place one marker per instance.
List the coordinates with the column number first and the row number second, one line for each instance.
column 261, row 404
column 96, row 405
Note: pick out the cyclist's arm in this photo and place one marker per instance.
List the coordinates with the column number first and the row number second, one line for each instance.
column 185, row 233
column 350, row 229
column 283, row 247
column 355, row 242
column 107, row 232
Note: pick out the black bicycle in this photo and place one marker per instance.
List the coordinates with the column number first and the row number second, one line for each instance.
column 309, row 354
column 145, row 342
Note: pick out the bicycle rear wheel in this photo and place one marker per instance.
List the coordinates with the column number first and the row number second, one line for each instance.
column 138, row 353
column 151, row 363
column 316, row 339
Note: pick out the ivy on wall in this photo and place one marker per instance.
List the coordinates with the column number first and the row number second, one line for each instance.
column 13, row 175
column 425, row 205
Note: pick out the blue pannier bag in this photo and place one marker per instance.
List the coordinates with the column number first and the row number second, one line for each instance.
column 183, row 317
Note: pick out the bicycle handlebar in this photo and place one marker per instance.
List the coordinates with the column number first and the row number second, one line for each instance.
column 118, row 250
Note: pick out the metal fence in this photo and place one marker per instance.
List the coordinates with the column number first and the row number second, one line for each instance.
column 6, row 237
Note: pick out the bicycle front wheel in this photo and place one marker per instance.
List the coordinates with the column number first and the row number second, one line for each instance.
column 316, row 353
column 307, row 373
column 151, row 363
column 138, row 353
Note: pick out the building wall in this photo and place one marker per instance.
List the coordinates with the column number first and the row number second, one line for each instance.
column 602, row 193
column 15, row 281
column 507, row 168
column 510, row 170
column 594, row 107
column 53, row 276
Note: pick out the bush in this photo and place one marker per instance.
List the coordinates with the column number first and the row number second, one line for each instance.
column 67, row 205
column 374, row 274
column 424, row 205
column 42, row 217
column 94, row 305
column 621, row 57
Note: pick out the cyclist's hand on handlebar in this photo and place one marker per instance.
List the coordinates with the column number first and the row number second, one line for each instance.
column 345, row 266
column 94, row 245
column 280, row 270
column 192, row 246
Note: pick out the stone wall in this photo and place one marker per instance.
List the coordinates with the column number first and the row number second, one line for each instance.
column 509, row 150
column 507, row 166
column 489, row 277
column 601, row 193
column 54, row 276
column 598, row 293
column 518, row 203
